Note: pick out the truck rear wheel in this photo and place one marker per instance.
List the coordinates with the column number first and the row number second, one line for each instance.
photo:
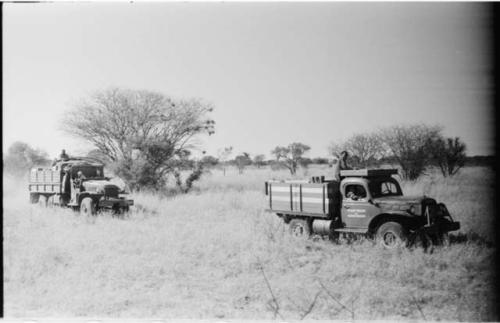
column 391, row 235
column 42, row 201
column 87, row 207
column 34, row 198
column 442, row 239
column 299, row 228
column 50, row 201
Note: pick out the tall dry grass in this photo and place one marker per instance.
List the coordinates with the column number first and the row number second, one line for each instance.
column 215, row 253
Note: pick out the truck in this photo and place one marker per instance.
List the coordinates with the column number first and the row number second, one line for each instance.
column 367, row 202
column 78, row 183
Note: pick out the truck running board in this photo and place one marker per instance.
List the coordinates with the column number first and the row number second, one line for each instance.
column 351, row 230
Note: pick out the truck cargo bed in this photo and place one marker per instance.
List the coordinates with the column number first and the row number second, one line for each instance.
column 308, row 199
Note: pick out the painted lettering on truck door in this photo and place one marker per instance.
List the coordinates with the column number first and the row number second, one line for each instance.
column 356, row 210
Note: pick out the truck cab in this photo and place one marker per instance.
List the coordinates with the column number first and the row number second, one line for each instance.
column 367, row 202
column 361, row 193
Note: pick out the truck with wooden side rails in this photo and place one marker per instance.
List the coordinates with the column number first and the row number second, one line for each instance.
column 78, row 183
column 366, row 202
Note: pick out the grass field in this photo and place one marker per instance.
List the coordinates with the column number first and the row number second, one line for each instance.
column 215, row 254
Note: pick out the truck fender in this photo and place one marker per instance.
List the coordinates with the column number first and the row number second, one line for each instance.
column 83, row 195
column 406, row 220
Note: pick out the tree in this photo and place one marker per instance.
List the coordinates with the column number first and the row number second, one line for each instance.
column 191, row 178
column 449, row 155
column 224, row 156
column 305, row 162
column 411, row 147
column 97, row 154
column 320, row 161
column 335, row 148
column 21, row 157
column 259, row 160
column 364, row 147
column 291, row 155
column 209, row 161
column 145, row 134
column 242, row 161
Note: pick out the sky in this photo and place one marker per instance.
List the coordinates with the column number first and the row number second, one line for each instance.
column 276, row 73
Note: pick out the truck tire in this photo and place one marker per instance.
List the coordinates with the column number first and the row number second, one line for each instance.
column 391, row 235
column 299, row 228
column 87, row 207
column 42, row 201
column 422, row 240
column 34, row 198
column 50, row 201
column 120, row 211
column 442, row 239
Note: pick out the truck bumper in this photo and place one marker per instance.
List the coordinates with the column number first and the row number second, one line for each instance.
column 451, row 226
column 110, row 203
column 443, row 227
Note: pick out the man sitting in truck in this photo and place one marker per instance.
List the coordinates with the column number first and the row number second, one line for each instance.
column 79, row 178
column 355, row 192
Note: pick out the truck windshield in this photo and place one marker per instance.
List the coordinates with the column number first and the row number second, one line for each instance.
column 88, row 171
column 384, row 187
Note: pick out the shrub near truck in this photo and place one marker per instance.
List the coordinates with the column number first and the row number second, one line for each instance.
column 91, row 192
column 367, row 202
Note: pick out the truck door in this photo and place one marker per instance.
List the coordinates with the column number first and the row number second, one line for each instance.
column 356, row 210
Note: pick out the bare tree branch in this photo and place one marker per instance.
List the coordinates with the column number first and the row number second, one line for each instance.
column 335, row 299
column 276, row 304
column 311, row 306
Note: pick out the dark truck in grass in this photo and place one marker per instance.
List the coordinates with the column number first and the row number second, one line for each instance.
column 369, row 202
column 78, row 183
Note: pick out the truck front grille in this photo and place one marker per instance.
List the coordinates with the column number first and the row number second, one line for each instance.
column 111, row 191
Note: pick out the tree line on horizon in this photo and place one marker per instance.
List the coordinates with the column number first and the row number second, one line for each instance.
column 147, row 137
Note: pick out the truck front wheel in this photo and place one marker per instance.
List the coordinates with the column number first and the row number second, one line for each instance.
column 391, row 235
column 299, row 228
column 87, row 207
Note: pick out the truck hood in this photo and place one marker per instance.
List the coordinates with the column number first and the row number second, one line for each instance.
column 100, row 186
column 400, row 199
column 96, row 183
column 403, row 203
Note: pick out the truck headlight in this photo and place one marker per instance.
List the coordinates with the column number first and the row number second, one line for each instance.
column 415, row 209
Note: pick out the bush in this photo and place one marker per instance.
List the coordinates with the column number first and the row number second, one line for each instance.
column 21, row 157
column 449, row 155
column 411, row 146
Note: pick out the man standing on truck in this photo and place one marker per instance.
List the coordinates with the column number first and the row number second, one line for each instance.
column 343, row 161
column 340, row 164
column 63, row 155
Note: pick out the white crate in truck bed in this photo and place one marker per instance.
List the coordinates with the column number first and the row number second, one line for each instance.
column 44, row 180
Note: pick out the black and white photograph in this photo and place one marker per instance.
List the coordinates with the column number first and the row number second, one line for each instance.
column 249, row 161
